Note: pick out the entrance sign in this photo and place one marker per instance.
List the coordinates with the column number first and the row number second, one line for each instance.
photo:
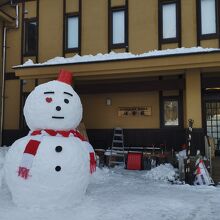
column 135, row 111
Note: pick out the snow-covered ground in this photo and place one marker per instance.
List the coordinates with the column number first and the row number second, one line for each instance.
column 126, row 195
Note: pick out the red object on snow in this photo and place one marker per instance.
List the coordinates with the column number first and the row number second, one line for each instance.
column 92, row 162
column 65, row 76
column 134, row 161
column 23, row 172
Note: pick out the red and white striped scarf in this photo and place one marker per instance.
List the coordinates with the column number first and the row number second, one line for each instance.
column 33, row 145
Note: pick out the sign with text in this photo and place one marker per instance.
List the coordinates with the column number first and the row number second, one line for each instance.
column 134, row 111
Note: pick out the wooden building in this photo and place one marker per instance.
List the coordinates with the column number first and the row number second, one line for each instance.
column 151, row 96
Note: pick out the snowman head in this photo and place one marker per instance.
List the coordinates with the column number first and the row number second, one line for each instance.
column 54, row 105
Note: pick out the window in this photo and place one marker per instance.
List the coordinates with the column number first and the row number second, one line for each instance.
column 207, row 12
column 212, row 109
column 30, row 37
column 169, row 19
column 118, row 28
column 171, row 112
column 72, row 33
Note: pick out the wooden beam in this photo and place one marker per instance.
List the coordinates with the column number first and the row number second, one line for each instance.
column 172, row 84
column 4, row 2
column 211, row 82
column 6, row 17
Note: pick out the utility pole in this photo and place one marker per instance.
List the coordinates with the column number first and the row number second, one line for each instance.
column 188, row 171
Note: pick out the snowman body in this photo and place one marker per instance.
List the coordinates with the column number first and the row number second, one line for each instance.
column 59, row 171
column 57, row 178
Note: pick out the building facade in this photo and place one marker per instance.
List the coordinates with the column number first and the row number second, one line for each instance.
column 8, row 20
column 152, row 96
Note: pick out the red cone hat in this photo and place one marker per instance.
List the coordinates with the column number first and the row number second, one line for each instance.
column 65, row 76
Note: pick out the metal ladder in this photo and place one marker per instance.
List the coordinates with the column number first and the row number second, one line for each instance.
column 117, row 154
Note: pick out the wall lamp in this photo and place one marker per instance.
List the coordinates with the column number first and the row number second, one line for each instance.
column 108, row 101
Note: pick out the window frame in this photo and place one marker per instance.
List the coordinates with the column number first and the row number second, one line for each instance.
column 199, row 21
column 178, row 21
column 73, row 49
column 118, row 45
column 180, row 111
column 25, row 51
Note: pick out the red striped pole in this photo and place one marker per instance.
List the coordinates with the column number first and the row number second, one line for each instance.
column 188, row 172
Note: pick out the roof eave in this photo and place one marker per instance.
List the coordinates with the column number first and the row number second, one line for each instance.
column 144, row 65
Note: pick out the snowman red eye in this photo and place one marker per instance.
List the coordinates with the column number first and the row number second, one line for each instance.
column 49, row 99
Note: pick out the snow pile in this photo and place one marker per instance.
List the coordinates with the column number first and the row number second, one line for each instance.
column 29, row 62
column 118, row 56
column 3, row 151
column 164, row 172
column 181, row 154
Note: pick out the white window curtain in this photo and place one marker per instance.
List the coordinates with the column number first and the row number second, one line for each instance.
column 208, row 17
column 169, row 21
column 171, row 113
column 73, row 30
column 118, row 35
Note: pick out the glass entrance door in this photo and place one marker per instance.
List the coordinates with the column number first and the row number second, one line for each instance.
column 213, row 121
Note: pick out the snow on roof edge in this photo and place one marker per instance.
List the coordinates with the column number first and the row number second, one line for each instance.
column 112, row 56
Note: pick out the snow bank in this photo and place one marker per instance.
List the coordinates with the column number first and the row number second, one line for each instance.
column 3, row 151
column 118, row 56
column 164, row 172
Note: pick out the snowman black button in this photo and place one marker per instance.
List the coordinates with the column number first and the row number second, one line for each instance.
column 58, row 149
column 58, row 168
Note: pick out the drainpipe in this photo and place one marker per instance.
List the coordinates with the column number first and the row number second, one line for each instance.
column 6, row 28
column 3, row 83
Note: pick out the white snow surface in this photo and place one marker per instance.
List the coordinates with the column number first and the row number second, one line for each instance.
column 3, row 151
column 125, row 195
column 164, row 172
column 117, row 56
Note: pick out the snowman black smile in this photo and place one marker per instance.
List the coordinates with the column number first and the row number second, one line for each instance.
column 57, row 117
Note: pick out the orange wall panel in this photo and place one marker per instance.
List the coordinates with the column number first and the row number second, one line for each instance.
column 50, row 29
column 98, row 115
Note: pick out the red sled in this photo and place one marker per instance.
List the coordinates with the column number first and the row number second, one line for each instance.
column 134, row 161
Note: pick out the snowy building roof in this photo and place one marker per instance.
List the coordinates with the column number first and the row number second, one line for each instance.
column 118, row 56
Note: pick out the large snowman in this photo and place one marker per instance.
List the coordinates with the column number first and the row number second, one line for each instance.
column 52, row 165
